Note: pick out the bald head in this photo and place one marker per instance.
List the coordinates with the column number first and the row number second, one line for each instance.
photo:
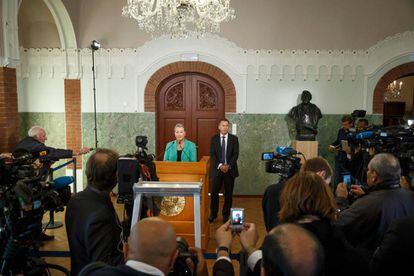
column 152, row 241
column 291, row 250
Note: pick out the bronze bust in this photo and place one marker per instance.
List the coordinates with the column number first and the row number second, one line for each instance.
column 306, row 116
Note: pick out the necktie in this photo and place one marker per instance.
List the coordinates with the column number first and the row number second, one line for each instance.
column 223, row 150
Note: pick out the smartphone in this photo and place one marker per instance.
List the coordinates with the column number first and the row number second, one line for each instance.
column 347, row 179
column 236, row 219
column 268, row 155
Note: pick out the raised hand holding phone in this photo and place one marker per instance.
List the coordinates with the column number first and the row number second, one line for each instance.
column 236, row 219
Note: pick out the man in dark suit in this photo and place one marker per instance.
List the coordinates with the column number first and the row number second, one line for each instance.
column 92, row 225
column 394, row 256
column 224, row 152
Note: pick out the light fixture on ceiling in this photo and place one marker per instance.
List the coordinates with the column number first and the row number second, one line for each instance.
column 179, row 18
column 394, row 90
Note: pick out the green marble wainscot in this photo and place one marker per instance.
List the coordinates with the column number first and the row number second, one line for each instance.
column 117, row 131
column 55, row 126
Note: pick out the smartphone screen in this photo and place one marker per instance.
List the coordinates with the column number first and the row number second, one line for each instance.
column 347, row 179
column 236, row 218
column 268, row 155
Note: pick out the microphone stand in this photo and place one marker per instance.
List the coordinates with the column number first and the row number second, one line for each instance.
column 94, row 98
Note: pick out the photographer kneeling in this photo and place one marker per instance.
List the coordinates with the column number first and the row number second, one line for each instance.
column 151, row 250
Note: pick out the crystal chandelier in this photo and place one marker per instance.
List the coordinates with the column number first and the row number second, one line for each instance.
column 394, row 90
column 179, row 18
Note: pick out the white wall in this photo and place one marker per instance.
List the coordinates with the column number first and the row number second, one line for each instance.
column 266, row 81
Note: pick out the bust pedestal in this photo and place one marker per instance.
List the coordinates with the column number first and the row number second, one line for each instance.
column 308, row 148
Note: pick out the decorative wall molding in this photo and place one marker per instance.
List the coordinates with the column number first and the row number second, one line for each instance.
column 9, row 53
column 264, row 64
column 259, row 76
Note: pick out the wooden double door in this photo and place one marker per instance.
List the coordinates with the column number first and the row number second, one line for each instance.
column 194, row 100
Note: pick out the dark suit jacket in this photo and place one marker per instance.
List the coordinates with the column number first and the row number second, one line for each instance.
column 223, row 268
column 232, row 153
column 33, row 146
column 93, row 230
column 395, row 254
column 271, row 205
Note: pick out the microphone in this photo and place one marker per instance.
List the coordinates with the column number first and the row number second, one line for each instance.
column 182, row 150
column 62, row 182
column 364, row 135
column 286, row 150
column 163, row 152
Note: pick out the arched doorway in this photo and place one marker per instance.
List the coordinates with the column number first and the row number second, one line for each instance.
column 162, row 75
column 395, row 73
column 194, row 100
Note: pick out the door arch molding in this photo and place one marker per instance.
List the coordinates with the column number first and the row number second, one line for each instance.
column 197, row 67
column 393, row 74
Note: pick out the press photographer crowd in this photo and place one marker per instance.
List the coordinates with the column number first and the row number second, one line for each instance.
column 357, row 219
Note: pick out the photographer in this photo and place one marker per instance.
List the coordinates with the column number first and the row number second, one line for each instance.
column 92, row 225
column 35, row 143
column 341, row 160
column 365, row 222
column 148, row 256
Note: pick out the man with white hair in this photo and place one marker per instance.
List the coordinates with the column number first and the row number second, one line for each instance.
column 34, row 143
column 365, row 222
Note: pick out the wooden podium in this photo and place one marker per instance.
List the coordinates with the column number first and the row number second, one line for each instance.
column 183, row 222
column 308, row 148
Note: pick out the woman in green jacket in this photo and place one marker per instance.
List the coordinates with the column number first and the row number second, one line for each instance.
column 180, row 149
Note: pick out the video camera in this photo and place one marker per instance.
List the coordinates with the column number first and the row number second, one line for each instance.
column 397, row 140
column 131, row 168
column 180, row 266
column 283, row 162
column 24, row 196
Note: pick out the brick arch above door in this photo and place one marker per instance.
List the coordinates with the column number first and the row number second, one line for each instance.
column 199, row 67
column 393, row 74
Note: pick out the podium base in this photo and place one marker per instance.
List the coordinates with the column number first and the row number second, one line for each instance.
column 308, row 148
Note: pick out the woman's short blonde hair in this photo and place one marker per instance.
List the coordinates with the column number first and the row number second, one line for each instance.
column 180, row 126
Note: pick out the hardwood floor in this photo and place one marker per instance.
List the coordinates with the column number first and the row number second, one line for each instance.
column 253, row 213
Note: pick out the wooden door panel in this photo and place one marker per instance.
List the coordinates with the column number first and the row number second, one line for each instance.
column 173, row 103
column 189, row 99
column 206, row 128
